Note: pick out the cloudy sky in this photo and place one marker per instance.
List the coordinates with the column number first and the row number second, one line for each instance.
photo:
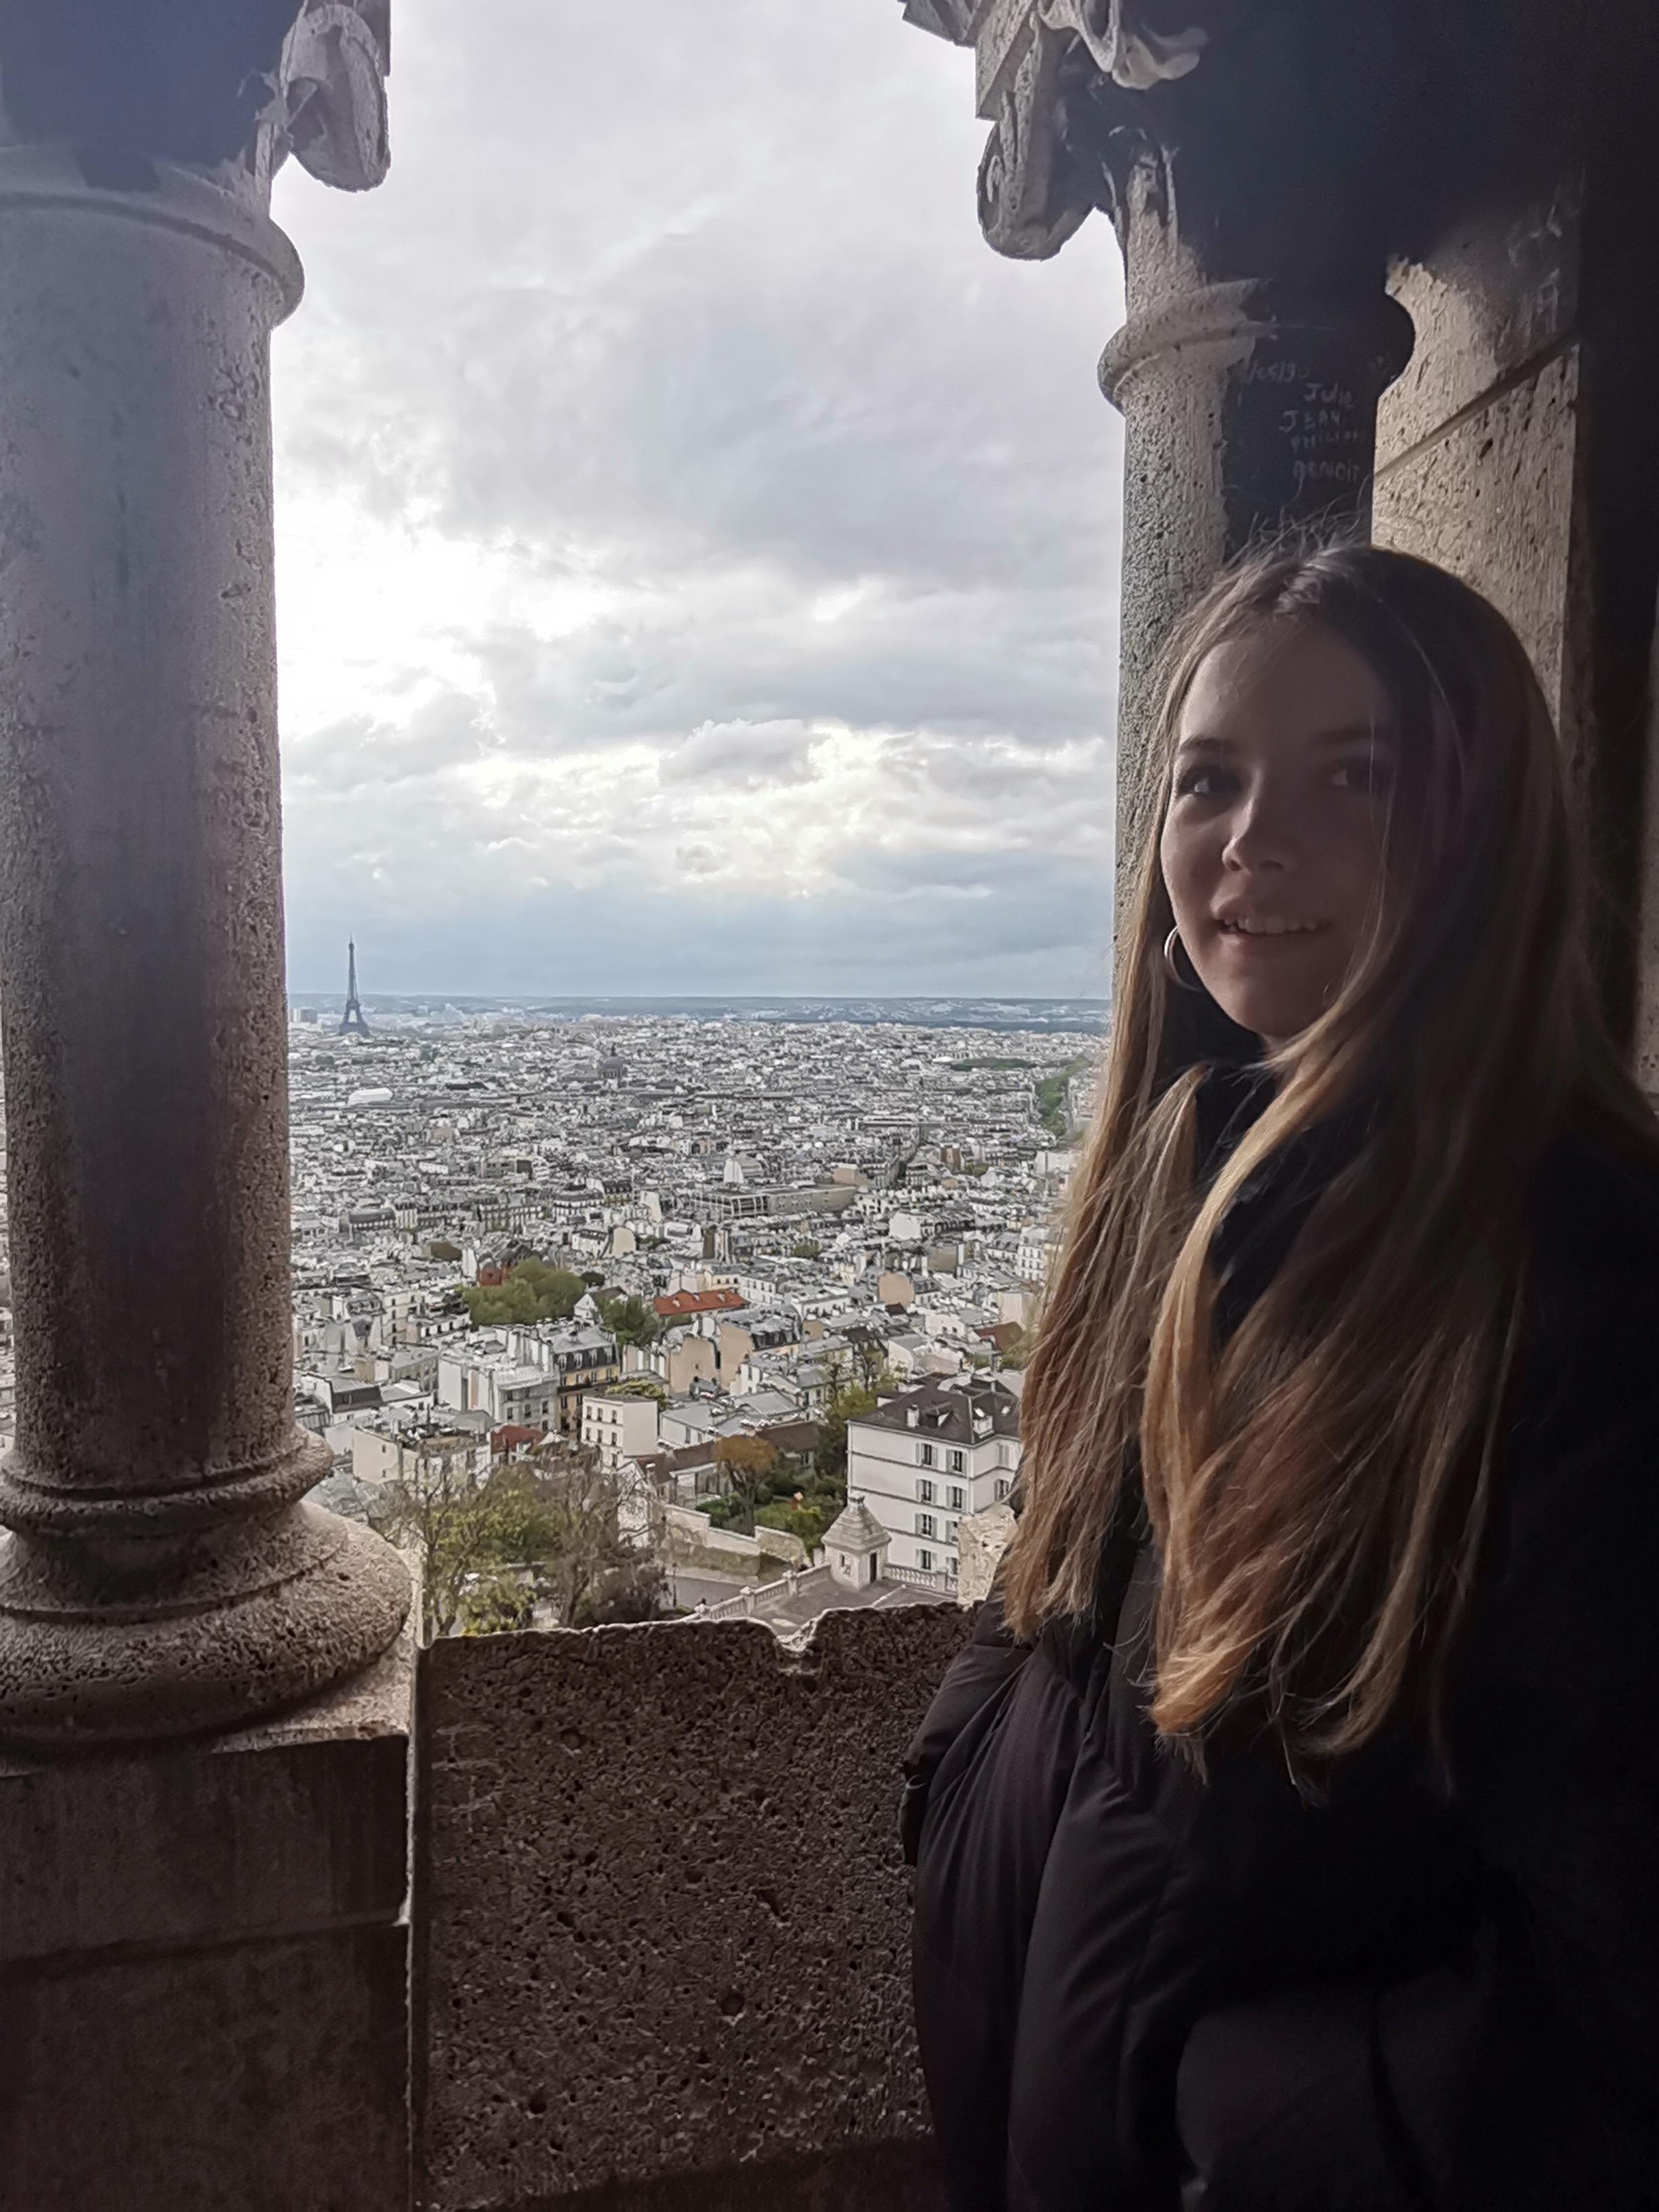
column 696, row 550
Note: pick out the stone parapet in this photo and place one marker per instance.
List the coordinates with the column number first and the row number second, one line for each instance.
column 663, row 1948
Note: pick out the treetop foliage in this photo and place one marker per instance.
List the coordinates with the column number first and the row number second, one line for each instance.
column 629, row 1319
column 533, row 1291
column 544, row 1526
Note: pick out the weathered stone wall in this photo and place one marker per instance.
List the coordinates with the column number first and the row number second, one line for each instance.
column 1520, row 447
column 662, row 1921
column 1476, row 443
column 981, row 1539
column 693, row 1540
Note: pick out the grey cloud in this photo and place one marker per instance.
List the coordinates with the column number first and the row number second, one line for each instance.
column 361, row 753
column 747, row 754
column 690, row 304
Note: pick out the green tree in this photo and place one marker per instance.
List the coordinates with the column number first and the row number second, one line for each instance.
column 553, row 1515
column 744, row 1465
column 500, row 1604
column 629, row 1319
column 1051, row 1098
column 441, row 1248
column 453, row 1526
column 805, row 1521
column 533, row 1291
column 584, row 1565
column 852, row 1387
column 640, row 1386
column 807, row 1248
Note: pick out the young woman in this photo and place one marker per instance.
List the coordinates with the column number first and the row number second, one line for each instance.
column 1287, row 1837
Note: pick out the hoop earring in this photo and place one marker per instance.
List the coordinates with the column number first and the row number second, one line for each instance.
column 1172, row 948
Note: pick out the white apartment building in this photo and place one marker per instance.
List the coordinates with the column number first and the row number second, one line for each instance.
column 927, row 1457
column 1035, row 1254
column 417, row 1452
column 618, row 1428
column 507, row 1390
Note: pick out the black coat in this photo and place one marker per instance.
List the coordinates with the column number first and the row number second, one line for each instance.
column 1137, row 1992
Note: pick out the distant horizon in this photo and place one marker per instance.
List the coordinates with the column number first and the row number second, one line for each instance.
column 702, row 998
column 301, row 996
column 1015, row 1012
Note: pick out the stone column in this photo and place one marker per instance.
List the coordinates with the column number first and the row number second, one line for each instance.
column 163, row 1575
column 1263, row 395
column 1251, row 161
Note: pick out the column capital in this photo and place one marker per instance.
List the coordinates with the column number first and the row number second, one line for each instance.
column 1259, row 164
column 327, row 96
column 229, row 87
column 1266, row 142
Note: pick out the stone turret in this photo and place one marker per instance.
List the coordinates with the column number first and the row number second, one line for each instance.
column 856, row 1545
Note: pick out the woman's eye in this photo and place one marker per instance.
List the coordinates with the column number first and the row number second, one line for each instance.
column 1202, row 783
column 1361, row 776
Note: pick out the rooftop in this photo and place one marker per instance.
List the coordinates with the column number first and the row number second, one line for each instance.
column 959, row 1410
column 683, row 1305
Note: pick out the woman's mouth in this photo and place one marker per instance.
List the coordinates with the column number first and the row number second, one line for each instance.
column 1266, row 925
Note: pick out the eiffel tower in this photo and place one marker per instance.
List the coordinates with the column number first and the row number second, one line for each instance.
column 351, row 1022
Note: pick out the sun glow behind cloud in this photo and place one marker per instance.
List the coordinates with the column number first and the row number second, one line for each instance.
column 697, row 568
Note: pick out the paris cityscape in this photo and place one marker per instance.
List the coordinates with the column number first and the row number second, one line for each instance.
column 744, row 1222
column 741, row 1220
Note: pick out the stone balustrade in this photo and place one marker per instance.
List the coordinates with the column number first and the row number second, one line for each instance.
column 744, row 1604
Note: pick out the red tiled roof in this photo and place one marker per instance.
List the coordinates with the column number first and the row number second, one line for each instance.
column 510, row 1436
column 1004, row 1334
column 679, row 1305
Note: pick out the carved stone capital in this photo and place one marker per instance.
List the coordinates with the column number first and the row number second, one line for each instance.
column 1042, row 69
column 1278, row 142
column 1133, row 52
column 327, row 105
column 1033, row 195
column 227, row 87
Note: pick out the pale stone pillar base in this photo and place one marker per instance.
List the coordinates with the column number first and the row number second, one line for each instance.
column 203, row 1968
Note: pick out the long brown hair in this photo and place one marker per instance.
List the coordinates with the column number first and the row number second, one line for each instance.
column 1317, row 1484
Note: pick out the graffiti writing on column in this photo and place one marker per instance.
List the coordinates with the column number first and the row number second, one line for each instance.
column 1318, row 422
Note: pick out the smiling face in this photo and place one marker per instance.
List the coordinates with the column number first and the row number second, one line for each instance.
column 1272, row 848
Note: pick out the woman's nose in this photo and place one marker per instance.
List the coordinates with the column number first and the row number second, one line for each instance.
column 1259, row 838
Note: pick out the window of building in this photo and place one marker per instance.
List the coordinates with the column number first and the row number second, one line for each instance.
column 956, row 1500
column 925, row 1491
column 957, row 1462
column 1003, row 1485
column 924, row 1454
column 925, row 1561
column 924, row 1524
